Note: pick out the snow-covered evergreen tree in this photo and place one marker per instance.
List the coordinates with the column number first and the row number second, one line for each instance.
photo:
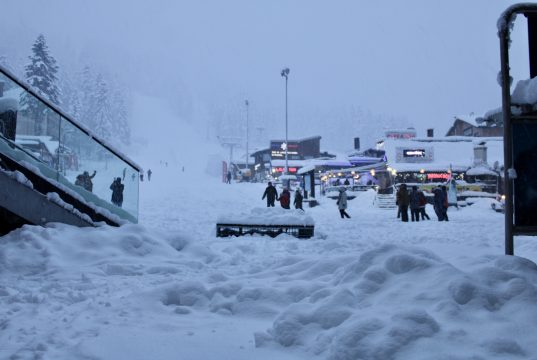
column 41, row 71
column 120, row 113
column 41, row 76
column 102, row 112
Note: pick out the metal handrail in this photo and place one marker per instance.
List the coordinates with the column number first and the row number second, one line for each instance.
column 64, row 115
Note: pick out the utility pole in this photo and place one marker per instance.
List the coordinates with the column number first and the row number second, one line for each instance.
column 247, row 155
column 285, row 74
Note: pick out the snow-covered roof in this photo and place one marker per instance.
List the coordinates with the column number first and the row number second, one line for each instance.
column 306, row 169
column 301, row 140
column 481, row 170
column 455, row 152
column 51, row 145
column 469, row 118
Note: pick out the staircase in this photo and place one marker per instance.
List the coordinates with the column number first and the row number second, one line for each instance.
column 385, row 201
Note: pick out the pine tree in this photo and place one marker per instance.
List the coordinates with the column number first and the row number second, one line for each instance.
column 102, row 110
column 41, row 76
column 120, row 124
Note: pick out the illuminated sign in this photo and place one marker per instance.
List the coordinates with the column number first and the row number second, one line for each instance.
column 414, row 153
column 438, row 176
column 400, row 134
column 282, row 169
column 277, row 149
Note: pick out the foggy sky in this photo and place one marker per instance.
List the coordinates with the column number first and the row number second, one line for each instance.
column 423, row 61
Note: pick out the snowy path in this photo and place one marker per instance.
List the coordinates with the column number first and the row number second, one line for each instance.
column 370, row 287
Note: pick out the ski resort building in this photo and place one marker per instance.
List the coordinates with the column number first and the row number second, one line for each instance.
column 53, row 169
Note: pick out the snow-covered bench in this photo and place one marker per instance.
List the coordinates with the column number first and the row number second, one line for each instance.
column 266, row 221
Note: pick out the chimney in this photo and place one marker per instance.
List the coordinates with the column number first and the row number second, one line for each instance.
column 356, row 143
column 480, row 154
column 430, row 132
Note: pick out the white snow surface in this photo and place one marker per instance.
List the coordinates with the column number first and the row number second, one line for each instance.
column 525, row 92
column 369, row 287
column 267, row 216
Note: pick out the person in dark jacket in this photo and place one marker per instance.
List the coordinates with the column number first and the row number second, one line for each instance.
column 149, row 172
column 271, row 194
column 439, row 203
column 415, row 204
column 117, row 192
column 298, row 199
column 84, row 180
column 228, row 177
column 423, row 203
column 403, row 200
column 446, row 203
column 342, row 203
column 285, row 199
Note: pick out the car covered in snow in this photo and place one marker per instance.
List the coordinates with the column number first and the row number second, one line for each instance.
column 498, row 204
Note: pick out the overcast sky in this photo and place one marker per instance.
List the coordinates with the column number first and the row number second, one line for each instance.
column 424, row 61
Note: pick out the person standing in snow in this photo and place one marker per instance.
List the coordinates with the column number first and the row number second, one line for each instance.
column 423, row 203
column 415, row 204
column 403, row 200
column 117, row 192
column 141, row 176
column 285, row 199
column 446, row 203
column 342, row 203
column 271, row 194
column 298, row 199
column 149, row 172
column 84, row 180
column 228, row 177
column 439, row 201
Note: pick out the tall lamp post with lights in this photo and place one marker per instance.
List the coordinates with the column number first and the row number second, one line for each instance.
column 285, row 74
column 247, row 103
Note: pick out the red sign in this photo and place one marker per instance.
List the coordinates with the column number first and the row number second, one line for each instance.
column 282, row 169
column 436, row 176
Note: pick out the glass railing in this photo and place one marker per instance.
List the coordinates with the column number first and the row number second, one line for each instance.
column 43, row 139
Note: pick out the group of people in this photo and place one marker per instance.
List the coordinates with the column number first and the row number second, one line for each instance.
column 84, row 180
column 271, row 194
column 416, row 201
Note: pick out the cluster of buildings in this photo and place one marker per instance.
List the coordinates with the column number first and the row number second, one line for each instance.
column 471, row 153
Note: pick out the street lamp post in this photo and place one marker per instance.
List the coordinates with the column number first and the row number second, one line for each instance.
column 247, row 155
column 285, row 74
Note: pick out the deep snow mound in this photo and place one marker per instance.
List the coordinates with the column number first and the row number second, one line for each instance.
column 127, row 250
column 394, row 300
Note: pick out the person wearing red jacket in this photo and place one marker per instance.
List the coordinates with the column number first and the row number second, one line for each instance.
column 285, row 199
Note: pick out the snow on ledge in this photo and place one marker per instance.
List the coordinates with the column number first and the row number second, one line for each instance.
column 268, row 216
column 525, row 92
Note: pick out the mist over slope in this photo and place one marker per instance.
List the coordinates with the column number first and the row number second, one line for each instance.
column 161, row 136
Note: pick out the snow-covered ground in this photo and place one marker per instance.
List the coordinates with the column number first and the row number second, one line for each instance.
column 369, row 287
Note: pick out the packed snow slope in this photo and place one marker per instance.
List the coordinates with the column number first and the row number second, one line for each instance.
column 369, row 287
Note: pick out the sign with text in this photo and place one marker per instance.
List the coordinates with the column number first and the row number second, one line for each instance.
column 414, row 155
column 277, row 150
